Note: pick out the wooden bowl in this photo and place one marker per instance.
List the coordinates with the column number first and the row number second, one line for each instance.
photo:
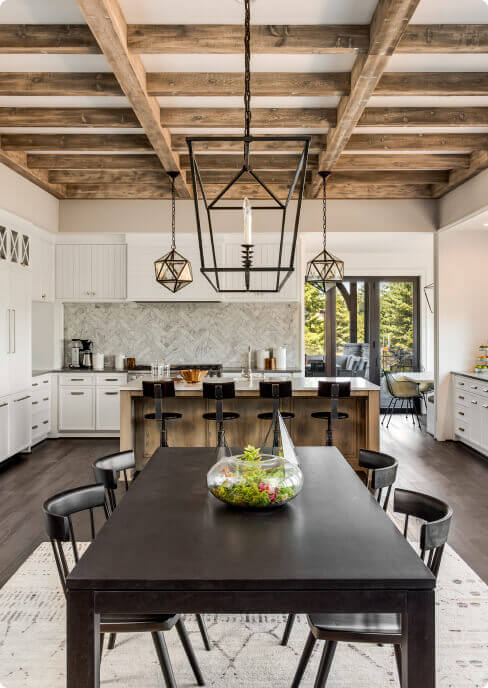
column 193, row 375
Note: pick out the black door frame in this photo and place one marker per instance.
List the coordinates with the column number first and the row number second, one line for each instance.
column 373, row 283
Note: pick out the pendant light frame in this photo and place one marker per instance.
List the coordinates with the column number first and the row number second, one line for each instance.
column 325, row 270
column 248, row 277
column 173, row 271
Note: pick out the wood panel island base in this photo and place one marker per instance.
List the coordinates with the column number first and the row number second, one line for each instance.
column 359, row 431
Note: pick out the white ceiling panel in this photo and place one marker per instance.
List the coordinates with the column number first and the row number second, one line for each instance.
column 54, row 63
column 259, row 63
column 64, row 101
column 40, row 12
column 236, row 131
column 421, row 130
column 438, row 63
column 256, row 101
column 451, row 12
column 428, row 101
column 67, row 130
column 262, row 11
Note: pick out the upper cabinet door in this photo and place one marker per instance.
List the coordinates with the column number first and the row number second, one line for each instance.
column 109, row 271
column 47, row 282
column 5, row 324
column 91, row 272
column 83, row 271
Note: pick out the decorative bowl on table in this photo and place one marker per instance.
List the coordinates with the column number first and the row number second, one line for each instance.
column 193, row 375
column 252, row 480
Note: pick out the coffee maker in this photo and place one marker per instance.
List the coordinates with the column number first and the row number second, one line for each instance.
column 86, row 353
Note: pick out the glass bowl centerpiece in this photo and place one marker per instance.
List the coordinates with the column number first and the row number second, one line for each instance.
column 257, row 480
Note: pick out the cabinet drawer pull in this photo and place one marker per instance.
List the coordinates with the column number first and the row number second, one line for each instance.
column 111, row 393
column 460, row 397
column 461, row 384
column 461, row 429
column 45, row 398
column 34, row 427
column 474, row 386
column 35, row 384
column 21, row 399
column 45, row 422
column 111, row 379
column 77, row 379
column 473, row 401
column 484, row 405
column 2, row 405
column 45, row 382
column 34, row 403
column 77, row 394
column 461, row 413
column 485, row 389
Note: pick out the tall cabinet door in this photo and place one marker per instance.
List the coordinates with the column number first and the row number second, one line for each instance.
column 109, row 271
column 5, row 340
column 20, row 364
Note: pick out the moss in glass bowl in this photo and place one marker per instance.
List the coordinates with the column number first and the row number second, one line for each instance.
column 254, row 481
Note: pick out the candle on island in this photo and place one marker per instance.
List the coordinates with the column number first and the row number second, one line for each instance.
column 247, row 210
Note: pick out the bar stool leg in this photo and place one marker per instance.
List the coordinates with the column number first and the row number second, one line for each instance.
column 163, row 434
column 330, row 440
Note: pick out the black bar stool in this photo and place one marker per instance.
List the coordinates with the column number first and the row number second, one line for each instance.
column 275, row 390
column 158, row 391
column 220, row 391
column 332, row 391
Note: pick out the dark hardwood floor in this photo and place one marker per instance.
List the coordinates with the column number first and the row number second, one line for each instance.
column 448, row 470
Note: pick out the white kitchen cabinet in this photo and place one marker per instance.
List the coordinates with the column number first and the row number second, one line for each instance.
column 42, row 268
column 470, row 411
column 76, row 408
column 107, row 409
column 484, row 423
column 5, row 339
column 20, row 415
column 4, row 413
column 19, row 320
column 91, row 272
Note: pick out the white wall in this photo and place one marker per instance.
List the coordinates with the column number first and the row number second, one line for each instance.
column 155, row 216
column 468, row 199
column 27, row 201
column 461, row 311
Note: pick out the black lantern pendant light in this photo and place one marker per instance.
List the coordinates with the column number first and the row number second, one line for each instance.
column 325, row 270
column 173, row 271
column 225, row 270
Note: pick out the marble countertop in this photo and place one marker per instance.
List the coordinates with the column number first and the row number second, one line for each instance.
column 299, row 385
column 476, row 376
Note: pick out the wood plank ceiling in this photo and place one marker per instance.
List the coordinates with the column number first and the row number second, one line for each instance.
column 397, row 106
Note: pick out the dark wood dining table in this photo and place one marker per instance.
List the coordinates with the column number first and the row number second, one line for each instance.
column 170, row 546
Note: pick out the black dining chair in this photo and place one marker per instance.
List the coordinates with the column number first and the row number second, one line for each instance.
column 218, row 391
column 107, row 471
column 381, row 474
column 381, row 628
column 333, row 391
column 159, row 390
column 275, row 390
column 404, row 392
column 58, row 512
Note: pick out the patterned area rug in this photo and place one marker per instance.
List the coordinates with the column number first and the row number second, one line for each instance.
column 246, row 650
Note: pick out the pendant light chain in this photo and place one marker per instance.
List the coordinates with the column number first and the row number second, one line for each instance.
column 247, row 68
column 173, row 214
column 324, row 211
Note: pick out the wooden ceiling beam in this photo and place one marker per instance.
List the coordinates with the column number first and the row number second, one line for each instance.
column 336, row 178
column 103, row 176
column 118, row 191
column 76, row 142
column 424, row 117
column 461, row 143
column 477, row 163
column 65, row 161
column 178, row 141
column 262, row 83
column 388, row 25
column 313, row 118
column 120, row 118
column 407, row 161
column 77, row 39
column 59, row 84
column 107, row 23
column 433, row 84
column 258, row 162
column 17, row 161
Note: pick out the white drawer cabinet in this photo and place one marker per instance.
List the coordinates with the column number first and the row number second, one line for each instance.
column 107, row 409
column 470, row 412
column 110, row 379
column 4, row 410
column 76, row 379
column 76, row 408
column 41, row 408
column 20, row 418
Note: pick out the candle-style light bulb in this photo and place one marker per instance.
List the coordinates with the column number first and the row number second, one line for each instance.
column 247, row 210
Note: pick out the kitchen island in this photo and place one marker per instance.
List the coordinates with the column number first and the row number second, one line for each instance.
column 359, row 431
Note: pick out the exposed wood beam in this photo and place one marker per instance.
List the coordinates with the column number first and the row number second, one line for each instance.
column 100, row 191
column 76, row 142
column 262, row 84
column 228, row 39
column 94, row 162
column 388, row 24
column 393, row 162
column 47, row 38
column 122, row 118
column 444, row 38
column 17, row 161
column 258, row 162
column 178, row 141
column 433, row 84
column 462, row 143
column 104, row 176
column 478, row 162
column 107, row 24
column 424, row 117
column 336, row 178
column 59, row 84
column 261, row 117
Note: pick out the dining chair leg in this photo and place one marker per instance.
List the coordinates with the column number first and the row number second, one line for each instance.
column 386, row 412
column 187, row 646
column 391, row 412
column 289, row 625
column 164, row 660
column 102, row 638
column 302, row 665
column 398, row 657
column 325, row 663
column 111, row 641
column 204, row 632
